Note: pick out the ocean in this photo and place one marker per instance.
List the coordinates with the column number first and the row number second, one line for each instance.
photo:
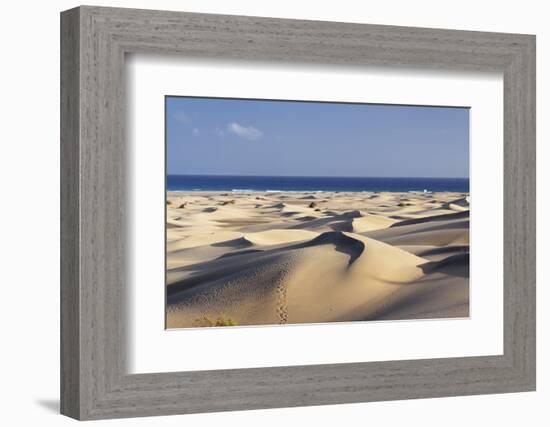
column 313, row 183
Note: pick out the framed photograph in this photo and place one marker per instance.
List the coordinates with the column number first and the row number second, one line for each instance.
column 270, row 219
column 262, row 213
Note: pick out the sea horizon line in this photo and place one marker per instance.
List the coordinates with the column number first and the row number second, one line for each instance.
column 321, row 176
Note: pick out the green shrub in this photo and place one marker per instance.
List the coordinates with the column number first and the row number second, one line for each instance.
column 208, row 322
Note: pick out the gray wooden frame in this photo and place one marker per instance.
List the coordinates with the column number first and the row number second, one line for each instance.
column 94, row 382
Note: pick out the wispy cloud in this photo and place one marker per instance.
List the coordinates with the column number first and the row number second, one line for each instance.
column 196, row 132
column 181, row 117
column 246, row 132
column 218, row 132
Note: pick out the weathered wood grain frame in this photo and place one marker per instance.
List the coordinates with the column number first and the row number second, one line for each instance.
column 94, row 41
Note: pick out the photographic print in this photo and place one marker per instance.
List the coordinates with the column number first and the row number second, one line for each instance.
column 300, row 212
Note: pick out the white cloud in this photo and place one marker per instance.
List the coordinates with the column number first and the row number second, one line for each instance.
column 196, row 132
column 247, row 132
column 181, row 117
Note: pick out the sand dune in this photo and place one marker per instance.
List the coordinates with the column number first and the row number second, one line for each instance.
column 371, row 223
column 275, row 258
column 461, row 204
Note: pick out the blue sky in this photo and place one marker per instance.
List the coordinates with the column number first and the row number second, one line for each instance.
column 273, row 138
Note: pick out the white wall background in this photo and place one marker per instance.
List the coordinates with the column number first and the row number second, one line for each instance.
column 29, row 212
